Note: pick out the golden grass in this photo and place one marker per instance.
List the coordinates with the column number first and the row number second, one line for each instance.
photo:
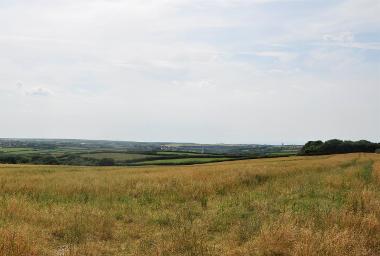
column 323, row 205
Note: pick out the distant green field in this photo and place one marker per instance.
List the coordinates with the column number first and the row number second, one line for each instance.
column 58, row 151
column 16, row 150
column 178, row 153
column 77, row 154
column 281, row 153
column 117, row 156
column 192, row 160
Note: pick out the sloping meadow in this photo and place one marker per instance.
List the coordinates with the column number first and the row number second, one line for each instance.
column 321, row 205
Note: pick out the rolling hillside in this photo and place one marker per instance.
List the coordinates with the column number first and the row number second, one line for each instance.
column 319, row 205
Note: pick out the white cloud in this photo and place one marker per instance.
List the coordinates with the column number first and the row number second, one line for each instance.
column 39, row 91
column 340, row 37
column 19, row 85
column 219, row 70
column 347, row 39
column 280, row 55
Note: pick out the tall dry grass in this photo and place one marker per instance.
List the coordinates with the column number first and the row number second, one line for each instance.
column 324, row 205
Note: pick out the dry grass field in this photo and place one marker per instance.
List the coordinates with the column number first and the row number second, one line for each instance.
column 323, row 205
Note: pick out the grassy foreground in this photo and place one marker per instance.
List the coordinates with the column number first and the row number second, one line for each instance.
column 324, row 205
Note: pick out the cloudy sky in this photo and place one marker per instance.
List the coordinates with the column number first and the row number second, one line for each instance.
column 233, row 71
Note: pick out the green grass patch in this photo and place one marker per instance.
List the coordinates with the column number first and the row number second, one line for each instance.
column 117, row 156
column 366, row 173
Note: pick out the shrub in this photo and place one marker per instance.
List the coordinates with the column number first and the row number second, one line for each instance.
column 106, row 162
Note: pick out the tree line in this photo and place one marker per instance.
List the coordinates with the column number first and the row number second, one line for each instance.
column 336, row 146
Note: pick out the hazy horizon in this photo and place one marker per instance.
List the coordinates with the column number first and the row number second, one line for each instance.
column 179, row 142
column 217, row 71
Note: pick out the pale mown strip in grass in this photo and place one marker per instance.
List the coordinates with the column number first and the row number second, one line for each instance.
column 324, row 205
column 191, row 160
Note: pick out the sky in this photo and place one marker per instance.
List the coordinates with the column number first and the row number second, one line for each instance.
column 214, row 71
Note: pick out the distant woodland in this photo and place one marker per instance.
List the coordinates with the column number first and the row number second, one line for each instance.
column 338, row 147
